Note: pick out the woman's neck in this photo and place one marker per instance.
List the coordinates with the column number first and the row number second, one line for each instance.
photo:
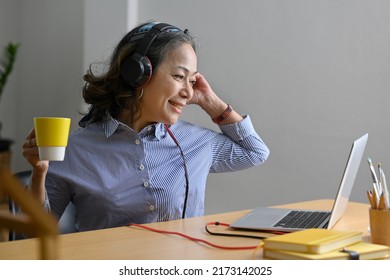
column 137, row 125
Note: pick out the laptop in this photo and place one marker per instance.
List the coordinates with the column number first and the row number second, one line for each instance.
column 289, row 220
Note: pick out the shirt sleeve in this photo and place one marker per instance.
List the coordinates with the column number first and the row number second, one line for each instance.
column 57, row 196
column 238, row 147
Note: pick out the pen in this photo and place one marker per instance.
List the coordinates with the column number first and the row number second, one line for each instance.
column 374, row 178
column 373, row 174
column 385, row 190
column 380, row 180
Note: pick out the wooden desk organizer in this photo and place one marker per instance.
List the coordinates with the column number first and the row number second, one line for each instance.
column 380, row 226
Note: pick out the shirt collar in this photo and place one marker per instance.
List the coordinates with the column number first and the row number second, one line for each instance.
column 111, row 125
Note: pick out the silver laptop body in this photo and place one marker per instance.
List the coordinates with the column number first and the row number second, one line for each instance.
column 288, row 220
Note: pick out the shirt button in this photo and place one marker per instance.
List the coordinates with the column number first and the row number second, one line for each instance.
column 146, row 184
column 137, row 142
column 151, row 207
column 141, row 167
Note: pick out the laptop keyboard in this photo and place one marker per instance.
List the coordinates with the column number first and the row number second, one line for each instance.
column 303, row 219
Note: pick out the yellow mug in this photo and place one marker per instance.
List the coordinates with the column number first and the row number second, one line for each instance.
column 52, row 137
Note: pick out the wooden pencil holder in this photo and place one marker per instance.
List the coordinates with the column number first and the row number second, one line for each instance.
column 380, row 226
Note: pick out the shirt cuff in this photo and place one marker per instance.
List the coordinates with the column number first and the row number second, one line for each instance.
column 240, row 130
column 46, row 204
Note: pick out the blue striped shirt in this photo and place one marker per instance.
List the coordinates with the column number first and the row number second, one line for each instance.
column 116, row 176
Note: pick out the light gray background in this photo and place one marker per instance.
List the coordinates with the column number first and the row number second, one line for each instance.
column 313, row 76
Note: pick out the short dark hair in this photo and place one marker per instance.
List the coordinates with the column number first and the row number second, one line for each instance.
column 108, row 94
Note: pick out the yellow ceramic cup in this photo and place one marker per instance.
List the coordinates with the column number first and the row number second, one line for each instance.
column 52, row 137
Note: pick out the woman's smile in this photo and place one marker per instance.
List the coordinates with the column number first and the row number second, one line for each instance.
column 178, row 107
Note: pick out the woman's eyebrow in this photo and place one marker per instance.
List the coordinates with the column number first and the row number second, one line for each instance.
column 186, row 69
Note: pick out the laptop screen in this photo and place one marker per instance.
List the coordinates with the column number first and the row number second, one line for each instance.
column 348, row 179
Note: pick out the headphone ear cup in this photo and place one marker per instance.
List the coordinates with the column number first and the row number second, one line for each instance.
column 136, row 70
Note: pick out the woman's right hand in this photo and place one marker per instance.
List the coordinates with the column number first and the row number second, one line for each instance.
column 30, row 152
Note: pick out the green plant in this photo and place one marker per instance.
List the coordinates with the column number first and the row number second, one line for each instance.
column 6, row 64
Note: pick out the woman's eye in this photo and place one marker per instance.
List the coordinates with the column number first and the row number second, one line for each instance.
column 193, row 82
column 179, row 77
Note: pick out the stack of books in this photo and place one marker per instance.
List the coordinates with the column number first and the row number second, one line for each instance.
column 322, row 244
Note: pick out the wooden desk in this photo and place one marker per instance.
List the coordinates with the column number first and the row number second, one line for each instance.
column 134, row 243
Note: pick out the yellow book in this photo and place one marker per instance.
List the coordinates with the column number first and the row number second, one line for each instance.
column 365, row 251
column 315, row 241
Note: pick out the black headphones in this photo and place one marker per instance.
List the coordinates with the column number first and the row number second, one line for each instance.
column 136, row 70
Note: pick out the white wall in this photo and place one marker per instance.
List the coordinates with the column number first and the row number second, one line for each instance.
column 59, row 39
column 313, row 75
column 48, row 66
column 105, row 24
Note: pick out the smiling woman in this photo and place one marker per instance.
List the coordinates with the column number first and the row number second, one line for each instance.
column 133, row 160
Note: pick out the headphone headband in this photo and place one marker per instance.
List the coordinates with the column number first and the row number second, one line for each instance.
column 149, row 37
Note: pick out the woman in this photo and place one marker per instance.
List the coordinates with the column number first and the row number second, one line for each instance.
column 132, row 160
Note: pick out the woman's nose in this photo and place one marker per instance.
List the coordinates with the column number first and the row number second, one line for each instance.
column 187, row 91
